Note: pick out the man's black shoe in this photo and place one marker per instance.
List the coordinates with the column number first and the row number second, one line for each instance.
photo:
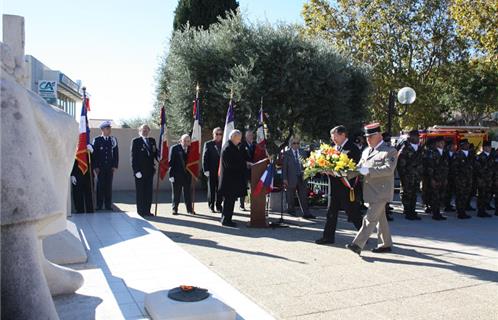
column 438, row 217
column 242, row 208
column 309, row 216
column 483, row 215
column 324, row 241
column 382, row 250
column 428, row 210
column 219, row 209
column 353, row 247
column 463, row 216
column 175, row 212
column 229, row 224
column 212, row 210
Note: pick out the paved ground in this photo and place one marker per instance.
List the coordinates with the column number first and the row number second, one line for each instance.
column 439, row 270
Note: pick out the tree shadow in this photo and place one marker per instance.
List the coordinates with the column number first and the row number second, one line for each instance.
column 187, row 239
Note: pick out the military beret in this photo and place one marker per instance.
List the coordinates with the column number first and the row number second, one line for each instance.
column 413, row 133
column 371, row 129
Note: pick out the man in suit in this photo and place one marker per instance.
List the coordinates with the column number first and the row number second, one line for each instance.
column 179, row 176
column 377, row 165
column 143, row 155
column 292, row 175
column 210, row 165
column 340, row 194
column 248, row 146
column 105, row 162
column 233, row 183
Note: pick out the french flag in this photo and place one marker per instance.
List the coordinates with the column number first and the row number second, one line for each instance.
column 194, row 151
column 265, row 182
column 260, row 151
column 229, row 123
column 163, row 146
column 84, row 137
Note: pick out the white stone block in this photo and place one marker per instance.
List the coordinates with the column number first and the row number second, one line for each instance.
column 65, row 247
column 160, row 307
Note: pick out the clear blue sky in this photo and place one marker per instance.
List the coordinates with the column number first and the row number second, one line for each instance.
column 114, row 46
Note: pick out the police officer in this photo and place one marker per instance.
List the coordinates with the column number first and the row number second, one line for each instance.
column 410, row 169
column 483, row 168
column 436, row 167
column 143, row 155
column 105, row 162
column 462, row 166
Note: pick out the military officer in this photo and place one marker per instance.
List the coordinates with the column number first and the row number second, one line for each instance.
column 105, row 162
column 483, row 168
column 143, row 157
column 410, row 169
column 451, row 149
column 377, row 165
column 436, row 167
column 462, row 166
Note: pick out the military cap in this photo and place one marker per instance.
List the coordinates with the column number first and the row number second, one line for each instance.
column 371, row 129
column 105, row 124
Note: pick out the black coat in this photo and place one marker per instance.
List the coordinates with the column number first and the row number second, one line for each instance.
column 352, row 152
column 143, row 157
column 211, row 157
column 106, row 153
column 177, row 164
column 232, row 176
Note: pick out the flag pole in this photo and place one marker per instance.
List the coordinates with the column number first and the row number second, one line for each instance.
column 92, row 188
column 194, row 179
column 158, row 169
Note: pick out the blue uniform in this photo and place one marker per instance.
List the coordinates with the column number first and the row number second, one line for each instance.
column 105, row 158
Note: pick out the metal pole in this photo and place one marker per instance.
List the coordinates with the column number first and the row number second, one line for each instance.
column 390, row 112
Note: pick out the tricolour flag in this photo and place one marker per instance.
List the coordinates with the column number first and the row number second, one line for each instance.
column 84, row 137
column 194, row 152
column 229, row 123
column 265, row 183
column 163, row 147
column 260, row 151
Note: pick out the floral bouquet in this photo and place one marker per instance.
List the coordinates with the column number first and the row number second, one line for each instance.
column 327, row 160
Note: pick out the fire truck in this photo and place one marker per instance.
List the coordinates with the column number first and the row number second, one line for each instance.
column 474, row 134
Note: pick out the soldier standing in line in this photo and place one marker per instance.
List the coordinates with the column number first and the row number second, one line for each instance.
column 426, row 196
column 450, row 188
column 436, row 167
column 105, row 162
column 462, row 166
column 473, row 192
column 495, row 179
column 410, row 169
column 483, row 168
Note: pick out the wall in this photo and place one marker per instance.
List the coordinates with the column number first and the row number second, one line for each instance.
column 123, row 177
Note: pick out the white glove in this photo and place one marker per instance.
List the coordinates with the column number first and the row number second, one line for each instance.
column 363, row 171
column 138, row 175
column 206, row 173
column 73, row 180
column 89, row 148
column 172, row 179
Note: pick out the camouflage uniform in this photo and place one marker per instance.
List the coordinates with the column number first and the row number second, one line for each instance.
column 410, row 169
column 462, row 167
column 436, row 168
column 483, row 169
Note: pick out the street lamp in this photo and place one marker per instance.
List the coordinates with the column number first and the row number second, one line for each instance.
column 406, row 96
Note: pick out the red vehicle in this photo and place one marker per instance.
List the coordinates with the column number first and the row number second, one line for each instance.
column 475, row 135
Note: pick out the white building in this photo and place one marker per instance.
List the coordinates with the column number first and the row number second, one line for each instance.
column 54, row 86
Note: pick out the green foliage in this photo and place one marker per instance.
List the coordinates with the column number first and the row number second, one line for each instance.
column 201, row 13
column 405, row 42
column 137, row 122
column 306, row 86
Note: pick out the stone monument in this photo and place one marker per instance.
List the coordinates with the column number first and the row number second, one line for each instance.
column 37, row 154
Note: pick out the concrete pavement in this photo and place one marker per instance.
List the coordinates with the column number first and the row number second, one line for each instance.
column 439, row 269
